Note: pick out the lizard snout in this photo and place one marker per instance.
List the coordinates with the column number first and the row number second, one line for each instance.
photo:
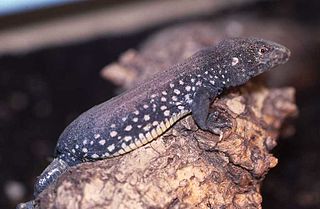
column 280, row 54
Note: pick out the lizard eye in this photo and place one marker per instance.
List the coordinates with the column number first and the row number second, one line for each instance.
column 263, row 50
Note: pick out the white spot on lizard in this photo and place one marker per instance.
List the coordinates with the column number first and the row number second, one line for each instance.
column 146, row 117
column 163, row 107
column 111, row 147
column 94, row 156
column 127, row 138
column 102, row 142
column 166, row 113
column 176, row 91
column 235, row 61
column 113, row 133
column 128, row 128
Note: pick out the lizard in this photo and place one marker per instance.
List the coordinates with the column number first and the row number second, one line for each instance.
column 140, row 115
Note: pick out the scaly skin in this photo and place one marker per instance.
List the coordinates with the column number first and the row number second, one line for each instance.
column 140, row 115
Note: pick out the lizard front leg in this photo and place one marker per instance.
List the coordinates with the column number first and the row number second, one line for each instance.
column 200, row 108
column 200, row 113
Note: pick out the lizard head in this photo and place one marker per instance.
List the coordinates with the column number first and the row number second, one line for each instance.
column 249, row 57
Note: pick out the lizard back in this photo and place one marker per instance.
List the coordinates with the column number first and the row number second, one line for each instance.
column 135, row 117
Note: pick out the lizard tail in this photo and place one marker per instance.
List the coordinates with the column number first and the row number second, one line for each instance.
column 50, row 175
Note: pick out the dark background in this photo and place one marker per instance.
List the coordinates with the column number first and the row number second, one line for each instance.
column 43, row 90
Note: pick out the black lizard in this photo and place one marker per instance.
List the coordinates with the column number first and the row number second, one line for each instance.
column 140, row 115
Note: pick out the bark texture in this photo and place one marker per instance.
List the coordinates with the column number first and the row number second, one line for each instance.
column 186, row 167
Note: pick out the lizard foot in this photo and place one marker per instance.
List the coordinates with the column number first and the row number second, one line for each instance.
column 217, row 121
